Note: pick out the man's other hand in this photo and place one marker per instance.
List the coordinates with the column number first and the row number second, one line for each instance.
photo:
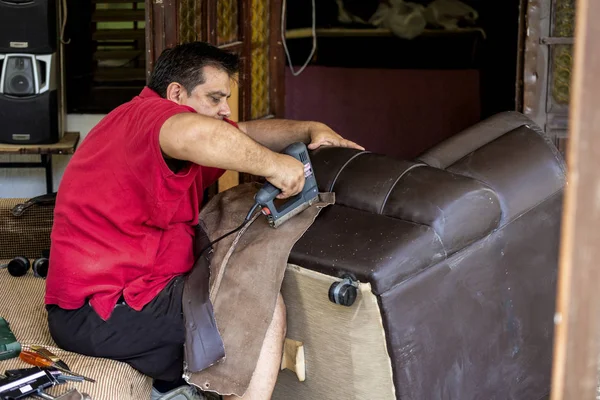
column 288, row 176
column 322, row 135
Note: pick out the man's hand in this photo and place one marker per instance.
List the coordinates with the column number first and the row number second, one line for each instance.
column 288, row 176
column 322, row 135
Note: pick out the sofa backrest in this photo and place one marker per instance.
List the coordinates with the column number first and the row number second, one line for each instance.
column 463, row 189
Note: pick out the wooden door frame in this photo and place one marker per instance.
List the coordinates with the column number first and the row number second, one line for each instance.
column 161, row 29
column 162, row 32
column 577, row 333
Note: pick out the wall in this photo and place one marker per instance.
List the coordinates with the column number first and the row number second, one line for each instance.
column 26, row 183
column 397, row 112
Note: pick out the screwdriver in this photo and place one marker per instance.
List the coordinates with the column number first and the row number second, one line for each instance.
column 44, row 352
column 32, row 358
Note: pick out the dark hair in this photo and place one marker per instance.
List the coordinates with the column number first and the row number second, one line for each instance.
column 184, row 64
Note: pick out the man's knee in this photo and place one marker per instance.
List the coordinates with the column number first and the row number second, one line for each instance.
column 279, row 318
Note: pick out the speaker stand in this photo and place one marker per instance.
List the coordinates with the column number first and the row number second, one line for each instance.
column 66, row 145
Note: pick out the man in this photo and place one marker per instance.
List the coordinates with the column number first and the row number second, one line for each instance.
column 128, row 204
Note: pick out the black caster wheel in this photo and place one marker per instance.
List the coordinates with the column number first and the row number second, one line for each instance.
column 343, row 292
column 18, row 266
column 40, row 267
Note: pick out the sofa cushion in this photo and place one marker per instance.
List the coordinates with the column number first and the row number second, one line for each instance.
column 460, row 210
column 329, row 161
column 367, row 180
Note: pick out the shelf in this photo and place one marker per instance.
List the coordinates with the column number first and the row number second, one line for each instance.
column 118, row 54
column 301, row 33
column 117, row 1
column 361, row 48
column 119, row 34
column 119, row 74
column 118, row 15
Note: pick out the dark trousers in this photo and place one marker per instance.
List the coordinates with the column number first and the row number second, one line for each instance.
column 151, row 340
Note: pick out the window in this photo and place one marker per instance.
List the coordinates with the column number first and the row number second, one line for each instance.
column 105, row 54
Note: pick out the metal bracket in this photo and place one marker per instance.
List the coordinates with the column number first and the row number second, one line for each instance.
column 552, row 40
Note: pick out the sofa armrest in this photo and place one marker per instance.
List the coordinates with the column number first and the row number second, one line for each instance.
column 522, row 168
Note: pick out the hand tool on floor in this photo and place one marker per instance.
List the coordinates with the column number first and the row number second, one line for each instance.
column 26, row 382
column 9, row 346
column 50, row 356
column 40, row 361
column 266, row 195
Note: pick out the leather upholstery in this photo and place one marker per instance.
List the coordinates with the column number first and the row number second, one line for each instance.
column 461, row 246
column 376, row 249
column 471, row 139
column 520, row 166
column 446, row 202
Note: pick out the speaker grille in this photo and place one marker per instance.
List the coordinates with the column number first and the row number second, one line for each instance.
column 27, row 235
column 19, row 76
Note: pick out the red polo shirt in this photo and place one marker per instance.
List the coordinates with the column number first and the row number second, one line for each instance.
column 123, row 222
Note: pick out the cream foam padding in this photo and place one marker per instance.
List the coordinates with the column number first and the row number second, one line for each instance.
column 22, row 305
column 344, row 347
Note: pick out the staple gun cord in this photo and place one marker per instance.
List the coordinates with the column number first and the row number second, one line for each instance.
column 246, row 220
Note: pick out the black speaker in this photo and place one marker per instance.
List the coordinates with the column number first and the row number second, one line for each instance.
column 29, row 106
column 28, row 26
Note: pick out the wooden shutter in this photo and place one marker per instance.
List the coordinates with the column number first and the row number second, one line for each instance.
column 119, row 57
column 249, row 27
column 547, row 63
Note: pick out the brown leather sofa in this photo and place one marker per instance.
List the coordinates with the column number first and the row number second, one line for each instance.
column 453, row 259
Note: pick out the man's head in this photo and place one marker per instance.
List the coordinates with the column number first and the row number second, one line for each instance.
column 197, row 75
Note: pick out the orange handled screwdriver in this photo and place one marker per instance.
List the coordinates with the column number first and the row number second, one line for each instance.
column 35, row 359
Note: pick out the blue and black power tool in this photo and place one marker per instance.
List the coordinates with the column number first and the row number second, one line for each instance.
column 265, row 197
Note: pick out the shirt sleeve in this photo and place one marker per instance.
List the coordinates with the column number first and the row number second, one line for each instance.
column 145, row 158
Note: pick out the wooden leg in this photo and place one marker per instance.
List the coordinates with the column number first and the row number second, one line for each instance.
column 47, row 164
column 293, row 358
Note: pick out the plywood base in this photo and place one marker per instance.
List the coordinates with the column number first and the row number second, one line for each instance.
column 345, row 350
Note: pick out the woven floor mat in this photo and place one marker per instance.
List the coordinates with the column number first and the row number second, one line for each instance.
column 22, row 305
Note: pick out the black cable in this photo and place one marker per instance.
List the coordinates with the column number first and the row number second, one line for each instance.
column 248, row 217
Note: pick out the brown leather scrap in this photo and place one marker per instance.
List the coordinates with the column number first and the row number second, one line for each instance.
column 246, row 272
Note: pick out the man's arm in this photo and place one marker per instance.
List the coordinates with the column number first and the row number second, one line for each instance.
column 276, row 134
column 214, row 143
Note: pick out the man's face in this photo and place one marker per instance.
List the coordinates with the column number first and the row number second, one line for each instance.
column 210, row 98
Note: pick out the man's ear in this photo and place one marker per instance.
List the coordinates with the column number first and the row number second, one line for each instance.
column 176, row 92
